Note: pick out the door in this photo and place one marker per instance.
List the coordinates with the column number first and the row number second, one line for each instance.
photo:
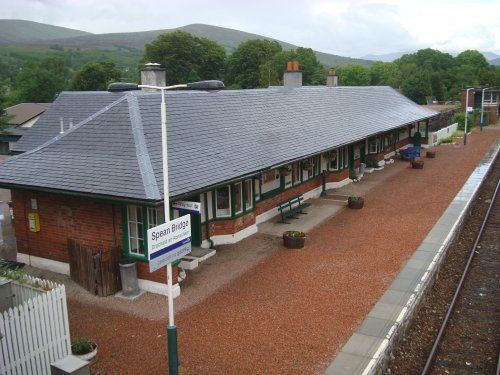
column 195, row 222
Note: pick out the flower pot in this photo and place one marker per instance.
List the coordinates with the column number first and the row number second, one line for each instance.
column 355, row 203
column 294, row 239
column 417, row 164
column 88, row 356
column 430, row 154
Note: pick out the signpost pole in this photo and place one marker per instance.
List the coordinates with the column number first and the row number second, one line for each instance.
column 173, row 359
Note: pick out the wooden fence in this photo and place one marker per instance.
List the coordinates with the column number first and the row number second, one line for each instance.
column 35, row 332
column 95, row 270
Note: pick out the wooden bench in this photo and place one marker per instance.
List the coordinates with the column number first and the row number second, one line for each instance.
column 292, row 207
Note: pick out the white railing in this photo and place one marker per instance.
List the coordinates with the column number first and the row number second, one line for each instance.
column 436, row 137
column 35, row 332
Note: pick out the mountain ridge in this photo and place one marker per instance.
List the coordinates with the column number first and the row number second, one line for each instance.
column 71, row 38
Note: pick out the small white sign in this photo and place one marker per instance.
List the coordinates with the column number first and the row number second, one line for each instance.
column 169, row 242
column 191, row 207
column 470, row 109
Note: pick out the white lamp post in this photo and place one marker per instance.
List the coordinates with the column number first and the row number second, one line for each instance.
column 173, row 360
column 466, row 113
column 482, row 106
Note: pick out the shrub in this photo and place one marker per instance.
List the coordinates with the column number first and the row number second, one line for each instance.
column 81, row 345
column 447, row 140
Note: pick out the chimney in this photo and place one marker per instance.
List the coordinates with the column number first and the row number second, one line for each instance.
column 152, row 75
column 292, row 77
column 331, row 79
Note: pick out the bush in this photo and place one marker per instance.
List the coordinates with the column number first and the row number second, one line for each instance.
column 460, row 119
column 81, row 345
column 447, row 140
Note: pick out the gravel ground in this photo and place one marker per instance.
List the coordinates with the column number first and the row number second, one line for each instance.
column 410, row 355
column 286, row 311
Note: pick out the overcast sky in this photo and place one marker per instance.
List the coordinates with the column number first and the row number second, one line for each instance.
column 352, row 28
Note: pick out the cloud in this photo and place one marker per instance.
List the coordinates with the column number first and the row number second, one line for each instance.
column 344, row 27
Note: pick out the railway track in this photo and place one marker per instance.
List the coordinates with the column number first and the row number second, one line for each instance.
column 471, row 346
column 469, row 338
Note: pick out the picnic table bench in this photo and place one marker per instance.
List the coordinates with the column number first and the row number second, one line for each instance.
column 291, row 207
column 410, row 152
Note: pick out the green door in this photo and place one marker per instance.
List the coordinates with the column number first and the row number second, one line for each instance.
column 350, row 151
column 417, row 139
column 362, row 154
column 195, row 222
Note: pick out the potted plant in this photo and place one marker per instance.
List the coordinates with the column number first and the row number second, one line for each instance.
column 83, row 348
column 285, row 170
column 355, row 202
column 417, row 163
column 293, row 239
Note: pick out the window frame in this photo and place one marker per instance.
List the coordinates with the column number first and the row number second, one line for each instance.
column 151, row 217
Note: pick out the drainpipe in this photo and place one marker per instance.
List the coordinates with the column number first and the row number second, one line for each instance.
column 207, row 224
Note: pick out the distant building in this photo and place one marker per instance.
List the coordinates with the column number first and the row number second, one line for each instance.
column 490, row 107
column 25, row 115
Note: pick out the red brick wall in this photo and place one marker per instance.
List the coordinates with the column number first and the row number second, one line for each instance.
column 93, row 224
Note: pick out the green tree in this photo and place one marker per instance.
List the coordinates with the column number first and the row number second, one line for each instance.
column 354, row 75
column 95, row 76
column 243, row 66
column 40, row 81
column 186, row 58
column 417, row 85
column 4, row 117
column 385, row 74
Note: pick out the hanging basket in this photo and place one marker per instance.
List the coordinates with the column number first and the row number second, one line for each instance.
column 285, row 171
column 307, row 165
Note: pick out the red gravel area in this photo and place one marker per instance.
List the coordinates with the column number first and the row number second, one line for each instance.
column 291, row 313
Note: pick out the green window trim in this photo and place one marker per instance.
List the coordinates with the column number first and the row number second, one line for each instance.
column 147, row 215
column 244, row 209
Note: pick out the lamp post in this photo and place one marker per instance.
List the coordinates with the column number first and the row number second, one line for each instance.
column 173, row 358
column 482, row 107
column 466, row 112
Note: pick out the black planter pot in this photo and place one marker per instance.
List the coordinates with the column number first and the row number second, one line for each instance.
column 417, row 164
column 293, row 242
column 355, row 203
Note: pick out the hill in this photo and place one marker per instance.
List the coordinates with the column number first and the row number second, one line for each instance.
column 123, row 43
column 20, row 31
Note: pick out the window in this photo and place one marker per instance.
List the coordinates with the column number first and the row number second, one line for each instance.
column 296, row 173
column 135, row 230
column 270, row 181
column 333, row 164
column 389, row 139
column 373, row 145
column 248, row 195
column 223, row 201
column 339, row 160
column 257, row 189
column 238, row 198
column 139, row 220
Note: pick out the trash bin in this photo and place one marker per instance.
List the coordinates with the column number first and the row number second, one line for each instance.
column 362, row 167
column 128, row 274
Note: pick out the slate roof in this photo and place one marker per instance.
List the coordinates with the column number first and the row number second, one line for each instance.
column 23, row 112
column 114, row 149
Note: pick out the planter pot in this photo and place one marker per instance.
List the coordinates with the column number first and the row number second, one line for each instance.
column 90, row 357
column 293, row 242
column 355, row 203
column 430, row 154
column 417, row 164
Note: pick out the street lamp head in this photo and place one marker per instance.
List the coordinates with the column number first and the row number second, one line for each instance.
column 206, row 85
